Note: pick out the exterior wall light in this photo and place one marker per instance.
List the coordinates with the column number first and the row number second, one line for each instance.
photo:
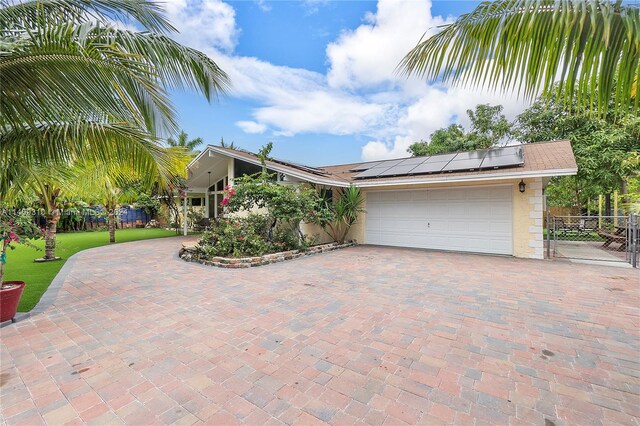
column 522, row 186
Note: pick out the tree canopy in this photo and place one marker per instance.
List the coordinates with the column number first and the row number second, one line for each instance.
column 488, row 127
column 606, row 148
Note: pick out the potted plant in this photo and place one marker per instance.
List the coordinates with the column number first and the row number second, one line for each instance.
column 15, row 229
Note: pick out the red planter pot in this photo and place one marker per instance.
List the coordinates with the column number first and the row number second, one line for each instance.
column 9, row 298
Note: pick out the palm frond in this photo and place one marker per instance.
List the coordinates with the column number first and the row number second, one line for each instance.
column 68, row 142
column 149, row 14
column 177, row 66
column 589, row 47
column 66, row 69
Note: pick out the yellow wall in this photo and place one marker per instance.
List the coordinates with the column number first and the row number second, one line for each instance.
column 314, row 231
column 527, row 214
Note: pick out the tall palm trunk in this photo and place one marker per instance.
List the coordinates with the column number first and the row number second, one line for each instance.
column 112, row 226
column 50, row 237
column 110, row 205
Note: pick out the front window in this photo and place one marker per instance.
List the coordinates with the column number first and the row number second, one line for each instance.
column 243, row 168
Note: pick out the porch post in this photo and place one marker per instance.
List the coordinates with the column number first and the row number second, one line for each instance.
column 184, row 215
column 215, row 205
column 206, row 203
column 600, row 211
column 615, row 209
column 230, row 171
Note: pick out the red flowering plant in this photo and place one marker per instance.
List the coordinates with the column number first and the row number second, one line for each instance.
column 229, row 193
column 16, row 227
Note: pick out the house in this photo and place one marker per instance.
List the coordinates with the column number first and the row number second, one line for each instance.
column 487, row 201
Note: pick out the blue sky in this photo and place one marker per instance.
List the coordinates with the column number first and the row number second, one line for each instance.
column 317, row 77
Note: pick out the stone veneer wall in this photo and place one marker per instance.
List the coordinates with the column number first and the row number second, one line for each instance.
column 536, row 213
column 187, row 253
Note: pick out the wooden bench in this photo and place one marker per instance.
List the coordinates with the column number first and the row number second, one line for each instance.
column 618, row 236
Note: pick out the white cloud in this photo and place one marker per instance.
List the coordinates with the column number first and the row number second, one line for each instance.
column 313, row 6
column 369, row 54
column 322, row 112
column 204, row 23
column 360, row 95
column 299, row 101
column 436, row 108
column 263, row 5
column 251, row 126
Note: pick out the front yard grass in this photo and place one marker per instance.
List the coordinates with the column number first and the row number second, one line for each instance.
column 38, row 276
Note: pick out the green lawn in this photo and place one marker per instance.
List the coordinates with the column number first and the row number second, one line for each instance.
column 38, row 276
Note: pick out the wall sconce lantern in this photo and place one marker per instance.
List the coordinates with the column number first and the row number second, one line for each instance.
column 522, row 186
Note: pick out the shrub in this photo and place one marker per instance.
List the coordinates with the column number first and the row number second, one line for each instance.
column 236, row 237
column 16, row 227
column 338, row 217
column 286, row 205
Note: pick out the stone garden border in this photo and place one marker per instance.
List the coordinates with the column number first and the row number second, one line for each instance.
column 187, row 253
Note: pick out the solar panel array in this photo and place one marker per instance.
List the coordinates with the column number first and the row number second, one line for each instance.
column 507, row 156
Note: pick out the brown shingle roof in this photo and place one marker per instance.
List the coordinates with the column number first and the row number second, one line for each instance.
column 538, row 157
column 542, row 158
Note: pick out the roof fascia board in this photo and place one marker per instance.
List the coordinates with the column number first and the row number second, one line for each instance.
column 471, row 178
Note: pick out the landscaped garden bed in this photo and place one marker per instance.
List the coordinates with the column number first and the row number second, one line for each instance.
column 261, row 222
column 189, row 253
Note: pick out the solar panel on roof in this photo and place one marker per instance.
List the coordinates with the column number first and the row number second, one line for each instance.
column 441, row 157
column 502, row 157
column 433, row 164
column 414, row 161
column 429, row 167
column 365, row 166
column 465, row 161
column 372, row 172
column 398, row 170
column 461, row 161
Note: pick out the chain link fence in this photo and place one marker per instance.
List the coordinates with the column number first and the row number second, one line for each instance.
column 597, row 238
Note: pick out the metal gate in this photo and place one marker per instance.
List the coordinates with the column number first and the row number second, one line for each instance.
column 594, row 238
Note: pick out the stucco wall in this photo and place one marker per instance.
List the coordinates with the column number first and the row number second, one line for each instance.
column 313, row 230
column 527, row 214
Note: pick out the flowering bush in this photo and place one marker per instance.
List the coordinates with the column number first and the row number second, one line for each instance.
column 16, row 227
column 235, row 237
column 247, row 236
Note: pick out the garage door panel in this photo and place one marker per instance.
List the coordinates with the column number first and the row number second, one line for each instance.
column 462, row 219
column 501, row 228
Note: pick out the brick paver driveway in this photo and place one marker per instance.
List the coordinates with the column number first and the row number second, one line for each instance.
column 362, row 335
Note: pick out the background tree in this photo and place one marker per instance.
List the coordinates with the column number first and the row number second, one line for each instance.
column 112, row 185
column 184, row 142
column 603, row 146
column 488, row 127
column 583, row 45
column 231, row 145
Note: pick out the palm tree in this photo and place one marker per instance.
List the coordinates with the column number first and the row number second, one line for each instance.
column 231, row 145
column 589, row 47
column 77, row 88
column 184, row 142
column 107, row 183
column 47, row 184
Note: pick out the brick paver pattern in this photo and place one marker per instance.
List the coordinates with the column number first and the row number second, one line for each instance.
column 364, row 335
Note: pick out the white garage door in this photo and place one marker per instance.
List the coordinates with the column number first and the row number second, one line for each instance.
column 462, row 219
